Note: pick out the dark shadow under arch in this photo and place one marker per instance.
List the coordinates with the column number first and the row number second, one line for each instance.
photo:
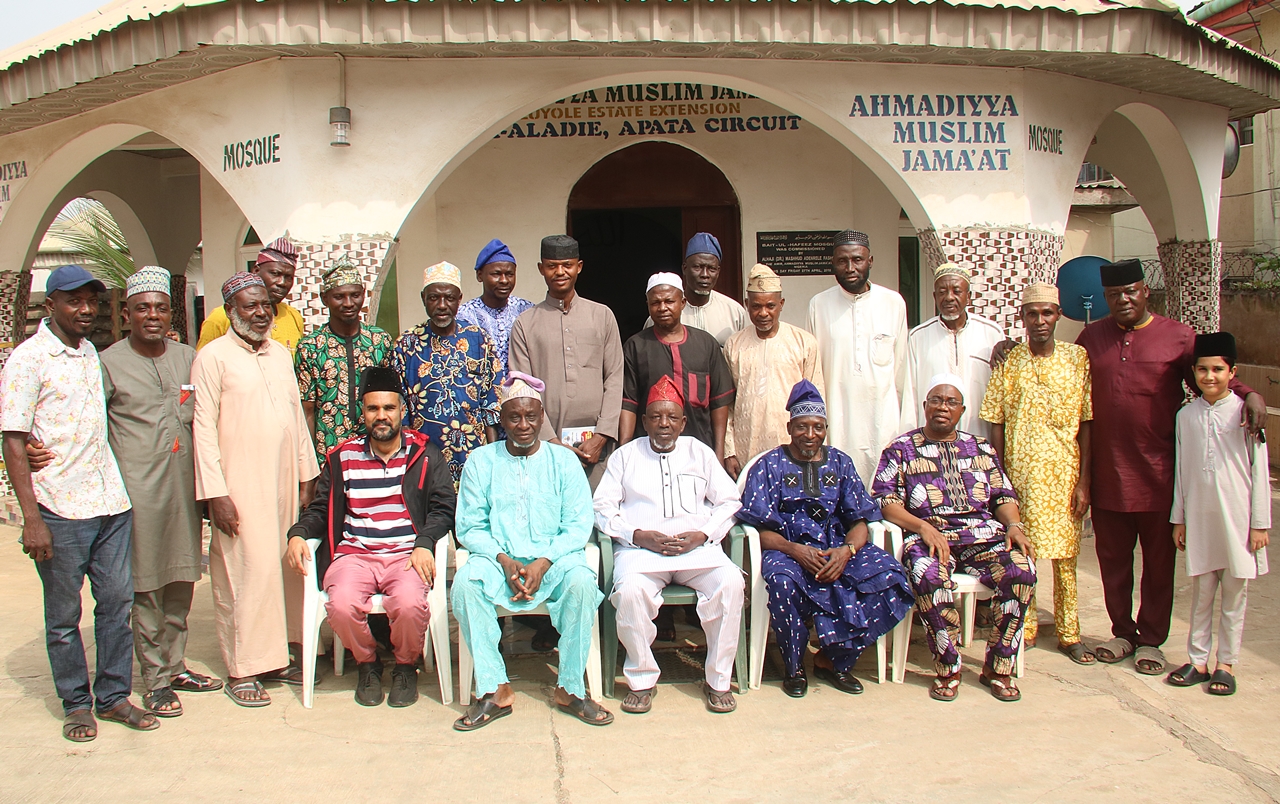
column 634, row 210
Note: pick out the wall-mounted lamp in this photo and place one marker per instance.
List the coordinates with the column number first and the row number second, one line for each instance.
column 340, row 115
column 340, row 122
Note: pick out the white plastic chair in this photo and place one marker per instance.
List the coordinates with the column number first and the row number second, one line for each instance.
column 760, row 594
column 314, row 613
column 466, row 668
column 968, row 592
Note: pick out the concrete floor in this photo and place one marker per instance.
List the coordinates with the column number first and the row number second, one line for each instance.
column 1080, row 732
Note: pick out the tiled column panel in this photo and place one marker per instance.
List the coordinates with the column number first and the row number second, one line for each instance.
column 1003, row 261
column 15, row 294
column 314, row 260
column 1193, row 282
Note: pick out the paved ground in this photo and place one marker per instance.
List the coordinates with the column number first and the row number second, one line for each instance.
column 1080, row 732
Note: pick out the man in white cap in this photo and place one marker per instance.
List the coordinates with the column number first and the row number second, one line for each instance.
column 524, row 513
column 276, row 265
column 861, row 329
column 766, row 360
column 253, row 457
column 948, row 492
column 687, row 355
column 705, row 307
column 1040, row 406
column 952, row 342
column 450, row 371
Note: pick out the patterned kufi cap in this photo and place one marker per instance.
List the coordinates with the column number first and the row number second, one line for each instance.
column 278, row 250
column 951, row 269
column 762, row 279
column 444, row 272
column 342, row 272
column 850, row 237
column 665, row 390
column 148, row 279
column 1039, row 293
column 519, row 385
column 805, row 400
column 239, row 282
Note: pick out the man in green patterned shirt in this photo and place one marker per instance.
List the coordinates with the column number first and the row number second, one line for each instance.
column 330, row 360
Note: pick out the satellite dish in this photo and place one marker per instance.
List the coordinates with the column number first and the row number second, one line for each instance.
column 1080, row 289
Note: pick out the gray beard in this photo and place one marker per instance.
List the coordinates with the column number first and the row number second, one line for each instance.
column 949, row 317
column 242, row 328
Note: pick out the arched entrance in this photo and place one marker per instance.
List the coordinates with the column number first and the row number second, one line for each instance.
column 633, row 211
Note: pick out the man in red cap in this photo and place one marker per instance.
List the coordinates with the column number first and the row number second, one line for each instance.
column 667, row 503
column 276, row 266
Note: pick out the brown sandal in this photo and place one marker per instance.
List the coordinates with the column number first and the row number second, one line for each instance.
column 639, row 702
column 126, row 714
column 79, row 719
column 721, row 703
column 945, row 688
column 1002, row 688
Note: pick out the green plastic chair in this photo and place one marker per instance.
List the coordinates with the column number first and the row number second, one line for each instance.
column 673, row 595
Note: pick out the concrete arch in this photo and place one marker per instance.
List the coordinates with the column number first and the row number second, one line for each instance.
column 1143, row 147
column 887, row 173
column 135, row 233
column 835, row 127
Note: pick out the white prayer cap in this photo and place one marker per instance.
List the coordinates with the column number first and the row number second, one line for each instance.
column 946, row 379
column 665, row 278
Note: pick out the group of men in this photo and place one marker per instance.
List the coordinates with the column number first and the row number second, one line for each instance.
column 520, row 427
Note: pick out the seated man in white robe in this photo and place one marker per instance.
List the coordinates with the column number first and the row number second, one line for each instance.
column 667, row 503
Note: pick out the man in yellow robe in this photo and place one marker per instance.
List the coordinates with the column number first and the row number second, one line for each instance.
column 1040, row 406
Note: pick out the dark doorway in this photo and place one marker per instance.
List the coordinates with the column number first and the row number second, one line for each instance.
column 634, row 210
column 621, row 249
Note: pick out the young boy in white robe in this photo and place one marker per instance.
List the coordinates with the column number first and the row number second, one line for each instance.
column 1221, row 513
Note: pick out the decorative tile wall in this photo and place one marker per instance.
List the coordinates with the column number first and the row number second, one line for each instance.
column 1193, row 282
column 314, row 260
column 1003, row 261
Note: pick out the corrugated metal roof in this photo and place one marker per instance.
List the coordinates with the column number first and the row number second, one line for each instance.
column 117, row 13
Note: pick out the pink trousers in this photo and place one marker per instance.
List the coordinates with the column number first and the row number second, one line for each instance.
column 352, row 580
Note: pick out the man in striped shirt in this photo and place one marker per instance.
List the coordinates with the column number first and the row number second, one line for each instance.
column 382, row 503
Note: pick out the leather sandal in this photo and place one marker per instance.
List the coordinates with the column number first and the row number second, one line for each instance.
column 639, row 702
column 1221, row 683
column 481, row 714
column 1078, row 653
column 235, row 691
column 153, row 700
column 945, row 688
column 720, row 703
column 188, row 681
column 81, row 718
column 126, row 714
column 586, row 710
column 1002, row 688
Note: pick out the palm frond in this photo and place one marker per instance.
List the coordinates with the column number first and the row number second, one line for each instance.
column 89, row 229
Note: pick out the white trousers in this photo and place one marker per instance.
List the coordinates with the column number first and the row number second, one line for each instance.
column 1230, row 622
column 637, row 596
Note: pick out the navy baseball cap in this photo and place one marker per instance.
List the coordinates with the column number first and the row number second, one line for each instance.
column 71, row 277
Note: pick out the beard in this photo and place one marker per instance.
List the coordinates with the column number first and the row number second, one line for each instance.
column 241, row 327
column 949, row 316
column 385, row 433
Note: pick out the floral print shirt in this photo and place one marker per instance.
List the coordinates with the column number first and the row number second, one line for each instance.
column 450, row 387
column 55, row 393
column 329, row 369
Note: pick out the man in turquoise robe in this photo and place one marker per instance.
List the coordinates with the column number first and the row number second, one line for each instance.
column 525, row 515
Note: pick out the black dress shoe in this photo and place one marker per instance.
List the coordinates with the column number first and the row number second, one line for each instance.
column 404, row 685
column 796, row 686
column 845, row 682
column 369, row 683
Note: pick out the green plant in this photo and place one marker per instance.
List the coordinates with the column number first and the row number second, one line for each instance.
column 86, row 227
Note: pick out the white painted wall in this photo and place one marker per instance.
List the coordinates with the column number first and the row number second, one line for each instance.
column 518, row 191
